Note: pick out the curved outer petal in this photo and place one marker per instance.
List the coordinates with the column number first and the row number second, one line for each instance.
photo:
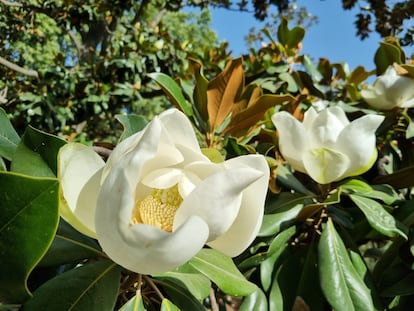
column 144, row 155
column 249, row 219
column 309, row 117
column 180, row 129
column 79, row 173
column 123, row 148
column 293, row 140
column 375, row 98
column 397, row 88
column 325, row 165
column 357, row 141
column 340, row 114
column 173, row 130
column 326, row 127
column 142, row 248
column 217, row 199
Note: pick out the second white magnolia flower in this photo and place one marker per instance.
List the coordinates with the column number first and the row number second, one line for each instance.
column 390, row 90
column 326, row 145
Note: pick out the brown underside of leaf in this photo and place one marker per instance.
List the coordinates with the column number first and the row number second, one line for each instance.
column 224, row 91
column 254, row 112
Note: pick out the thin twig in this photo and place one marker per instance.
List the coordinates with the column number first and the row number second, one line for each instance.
column 139, row 281
column 154, row 286
column 3, row 96
column 10, row 3
column 77, row 44
column 27, row 72
column 213, row 301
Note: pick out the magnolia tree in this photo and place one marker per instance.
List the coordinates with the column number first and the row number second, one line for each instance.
column 291, row 191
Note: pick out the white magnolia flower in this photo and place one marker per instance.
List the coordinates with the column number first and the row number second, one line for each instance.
column 158, row 200
column 390, row 90
column 326, row 145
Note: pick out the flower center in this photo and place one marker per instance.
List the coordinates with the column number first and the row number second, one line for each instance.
column 158, row 209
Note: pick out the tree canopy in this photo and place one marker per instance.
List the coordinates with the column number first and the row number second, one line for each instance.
column 143, row 167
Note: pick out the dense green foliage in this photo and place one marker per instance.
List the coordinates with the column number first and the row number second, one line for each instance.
column 99, row 71
column 89, row 62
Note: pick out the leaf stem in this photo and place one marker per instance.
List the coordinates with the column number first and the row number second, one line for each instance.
column 153, row 286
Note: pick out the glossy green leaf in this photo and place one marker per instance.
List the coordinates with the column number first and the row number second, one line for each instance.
column 180, row 296
column 172, row 89
column 292, row 86
column 290, row 37
column 256, row 301
column 221, row 270
column 167, row 305
column 200, row 90
column 285, row 176
column 93, row 286
column 8, row 137
column 36, row 154
column 341, row 284
column 311, row 68
column 253, row 261
column 355, row 186
column 273, row 223
column 197, row 284
column 276, row 248
column 380, row 195
column 28, row 222
column 296, row 282
column 386, row 55
column 131, row 123
column 362, row 269
column 379, row 218
column 70, row 245
column 134, row 304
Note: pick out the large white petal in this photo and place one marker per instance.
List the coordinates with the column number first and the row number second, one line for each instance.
column 340, row 114
column 402, row 90
column 166, row 155
column 309, row 117
column 122, row 149
column 79, row 174
column 169, row 128
column 217, row 199
column 326, row 128
column 142, row 248
column 357, row 141
column 136, row 151
column 86, row 204
column 180, row 129
column 293, row 140
column 325, row 165
column 249, row 219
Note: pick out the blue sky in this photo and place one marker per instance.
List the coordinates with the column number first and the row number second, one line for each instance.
column 333, row 37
